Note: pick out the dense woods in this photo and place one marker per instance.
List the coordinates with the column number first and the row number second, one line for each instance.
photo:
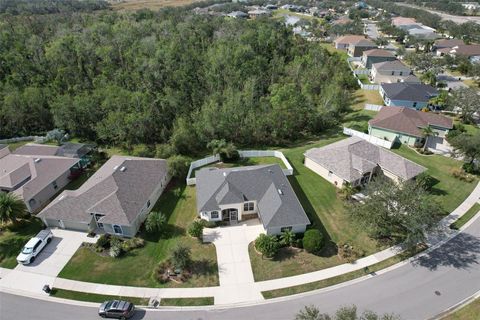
column 166, row 77
column 15, row 7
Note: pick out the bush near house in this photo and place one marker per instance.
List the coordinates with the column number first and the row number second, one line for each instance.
column 267, row 245
column 313, row 240
column 196, row 228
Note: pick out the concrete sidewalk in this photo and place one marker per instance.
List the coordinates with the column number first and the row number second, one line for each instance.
column 232, row 250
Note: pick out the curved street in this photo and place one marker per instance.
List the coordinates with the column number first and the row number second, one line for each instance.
column 419, row 289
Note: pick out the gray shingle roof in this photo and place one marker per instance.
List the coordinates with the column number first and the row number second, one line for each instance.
column 70, row 150
column 261, row 183
column 118, row 195
column 409, row 91
column 394, row 65
column 352, row 157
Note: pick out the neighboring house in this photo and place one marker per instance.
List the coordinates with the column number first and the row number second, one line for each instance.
column 471, row 51
column 443, row 46
column 115, row 200
column 238, row 15
column 259, row 13
column 356, row 161
column 422, row 32
column 243, row 193
column 407, row 94
column 370, row 57
column 392, row 72
column 35, row 178
column 343, row 42
column 403, row 22
column 69, row 150
column 356, row 48
column 405, row 125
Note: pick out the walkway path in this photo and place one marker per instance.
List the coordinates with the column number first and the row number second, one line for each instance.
column 236, row 283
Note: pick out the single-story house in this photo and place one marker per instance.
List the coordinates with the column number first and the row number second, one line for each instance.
column 370, row 57
column 405, row 125
column 356, row 48
column 422, row 32
column 259, row 13
column 391, row 72
column 471, row 51
column 262, row 192
column 238, row 15
column 35, row 178
column 343, row 42
column 115, row 200
column 403, row 22
column 356, row 161
column 68, row 149
column 442, row 46
column 407, row 94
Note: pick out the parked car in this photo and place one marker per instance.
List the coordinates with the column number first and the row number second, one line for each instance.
column 34, row 246
column 116, row 309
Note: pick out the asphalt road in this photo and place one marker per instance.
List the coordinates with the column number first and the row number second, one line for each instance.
column 417, row 290
column 446, row 16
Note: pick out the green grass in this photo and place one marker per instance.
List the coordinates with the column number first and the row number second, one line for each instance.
column 449, row 191
column 341, row 278
column 186, row 302
column 136, row 268
column 468, row 312
column 15, row 145
column 331, row 48
column 93, row 297
column 466, row 217
column 364, row 79
column 244, row 162
column 14, row 237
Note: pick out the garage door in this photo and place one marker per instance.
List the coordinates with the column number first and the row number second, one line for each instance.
column 53, row 223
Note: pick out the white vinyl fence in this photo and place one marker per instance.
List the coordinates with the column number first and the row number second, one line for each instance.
column 37, row 139
column 368, row 86
column 376, row 141
column 361, row 71
column 243, row 154
column 372, row 107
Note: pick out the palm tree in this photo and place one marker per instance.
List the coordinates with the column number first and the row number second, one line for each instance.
column 287, row 237
column 155, row 222
column 428, row 132
column 11, row 207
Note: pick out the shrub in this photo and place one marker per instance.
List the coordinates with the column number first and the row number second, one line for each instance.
column 196, row 228
column 210, row 224
column 470, row 168
column 155, row 222
column 161, row 272
column 425, row 181
column 348, row 253
column 178, row 166
column 298, row 243
column 267, row 245
column 132, row 243
column 181, row 257
column 287, row 238
column 164, row 151
column 461, row 175
column 103, row 241
column 143, row 150
column 313, row 240
column 115, row 250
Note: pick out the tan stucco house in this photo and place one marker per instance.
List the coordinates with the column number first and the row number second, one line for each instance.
column 243, row 193
column 115, row 200
column 356, row 161
column 35, row 178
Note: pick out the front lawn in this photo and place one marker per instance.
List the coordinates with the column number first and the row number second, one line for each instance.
column 187, row 302
column 449, row 191
column 466, row 217
column 93, row 297
column 14, row 237
column 243, row 162
column 136, row 268
column 468, row 312
column 326, row 212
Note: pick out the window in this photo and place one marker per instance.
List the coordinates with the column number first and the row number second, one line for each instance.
column 214, row 215
column 401, row 73
column 414, row 104
column 54, row 184
column 283, row 229
column 148, row 204
column 117, row 229
column 393, row 73
column 248, row 206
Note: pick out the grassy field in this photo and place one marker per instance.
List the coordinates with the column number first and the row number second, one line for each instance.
column 339, row 279
column 13, row 238
column 184, row 302
column 93, row 297
column 359, row 117
column 466, row 217
column 364, row 79
column 449, row 191
column 132, row 5
column 137, row 267
column 244, row 162
column 332, row 49
column 469, row 312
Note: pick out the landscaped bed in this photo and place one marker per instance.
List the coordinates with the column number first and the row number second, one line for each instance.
column 93, row 297
column 137, row 267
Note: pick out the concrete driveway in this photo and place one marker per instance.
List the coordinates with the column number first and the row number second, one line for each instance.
column 48, row 263
column 234, row 268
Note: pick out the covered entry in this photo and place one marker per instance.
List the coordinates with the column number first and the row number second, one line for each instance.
column 230, row 214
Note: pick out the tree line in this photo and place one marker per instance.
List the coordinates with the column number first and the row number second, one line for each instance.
column 16, row 7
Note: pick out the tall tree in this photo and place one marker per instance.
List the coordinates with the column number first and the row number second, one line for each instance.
column 466, row 101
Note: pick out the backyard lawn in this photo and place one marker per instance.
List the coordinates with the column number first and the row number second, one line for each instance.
column 13, row 238
column 244, row 162
column 449, row 191
column 137, row 267
column 327, row 213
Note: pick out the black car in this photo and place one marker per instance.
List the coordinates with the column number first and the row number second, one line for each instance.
column 116, row 309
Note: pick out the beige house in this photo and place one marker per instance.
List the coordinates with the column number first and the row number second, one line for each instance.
column 356, row 161
column 34, row 178
column 115, row 200
column 391, row 72
column 343, row 42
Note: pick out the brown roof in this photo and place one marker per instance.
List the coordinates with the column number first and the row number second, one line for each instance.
column 399, row 21
column 467, row 50
column 378, row 53
column 449, row 43
column 37, row 149
column 350, row 38
column 409, row 121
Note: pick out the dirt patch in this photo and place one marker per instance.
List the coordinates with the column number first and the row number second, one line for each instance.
column 132, row 5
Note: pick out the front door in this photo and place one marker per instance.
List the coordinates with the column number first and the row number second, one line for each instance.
column 233, row 215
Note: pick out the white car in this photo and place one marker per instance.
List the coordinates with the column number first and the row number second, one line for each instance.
column 34, row 246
